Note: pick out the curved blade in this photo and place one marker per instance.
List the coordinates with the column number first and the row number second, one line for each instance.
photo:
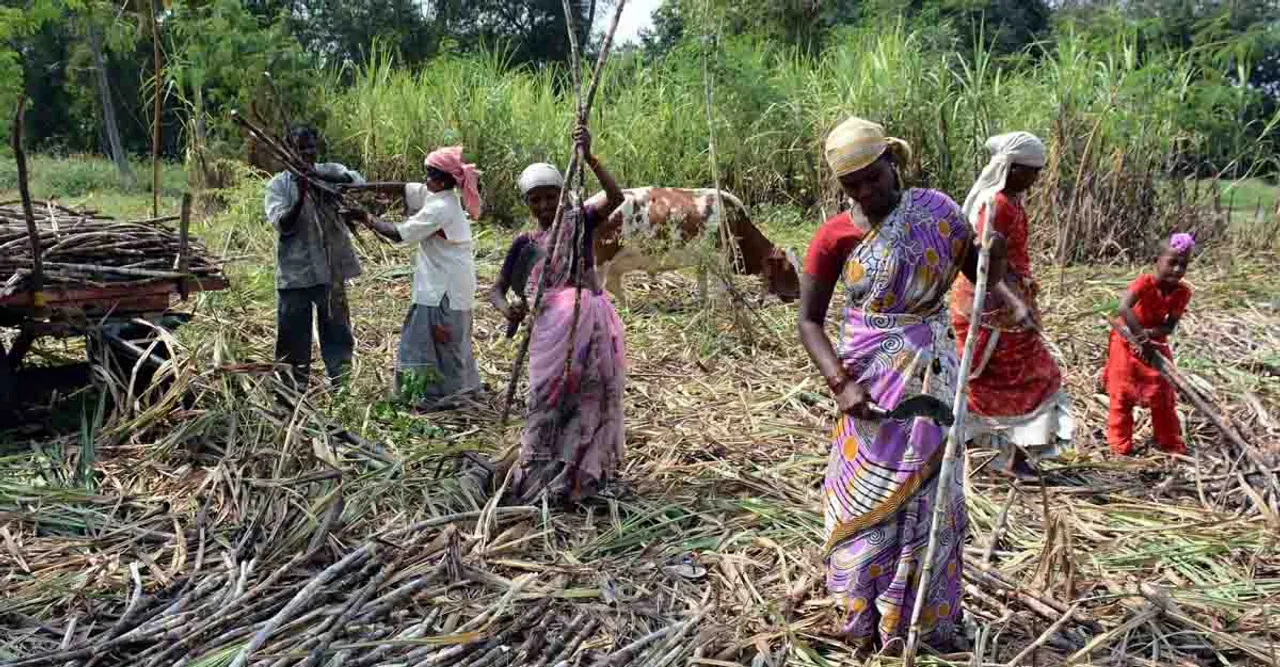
column 925, row 406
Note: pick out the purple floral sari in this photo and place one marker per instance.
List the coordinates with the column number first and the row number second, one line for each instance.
column 881, row 476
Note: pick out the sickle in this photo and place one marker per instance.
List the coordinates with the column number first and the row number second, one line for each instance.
column 919, row 405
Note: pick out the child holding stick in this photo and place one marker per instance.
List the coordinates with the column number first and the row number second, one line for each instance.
column 1150, row 311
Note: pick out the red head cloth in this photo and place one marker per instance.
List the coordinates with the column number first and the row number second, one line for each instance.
column 449, row 160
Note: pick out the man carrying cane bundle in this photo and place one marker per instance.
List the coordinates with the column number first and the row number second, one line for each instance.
column 314, row 259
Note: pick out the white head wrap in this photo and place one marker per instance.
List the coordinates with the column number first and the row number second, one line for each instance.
column 1006, row 150
column 539, row 174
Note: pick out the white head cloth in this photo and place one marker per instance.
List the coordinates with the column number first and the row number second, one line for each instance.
column 539, row 174
column 1006, row 150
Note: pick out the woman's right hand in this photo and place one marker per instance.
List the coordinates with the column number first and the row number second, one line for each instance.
column 854, row 400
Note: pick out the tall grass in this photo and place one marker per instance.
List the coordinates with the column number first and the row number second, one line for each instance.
column 1123, row 127
column 80, row 175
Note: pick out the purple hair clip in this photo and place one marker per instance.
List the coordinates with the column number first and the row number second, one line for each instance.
column 1182, row 243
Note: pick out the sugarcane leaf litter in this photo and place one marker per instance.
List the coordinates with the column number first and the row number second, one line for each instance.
column 228, row 520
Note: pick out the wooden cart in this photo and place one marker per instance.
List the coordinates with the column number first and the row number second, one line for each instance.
column 120, row 320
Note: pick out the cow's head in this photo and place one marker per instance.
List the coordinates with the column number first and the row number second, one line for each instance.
column 781, row 274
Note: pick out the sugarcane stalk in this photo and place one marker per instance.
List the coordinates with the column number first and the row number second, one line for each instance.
column 338, row 622
column 184, row 233
column 456, row 653
column 672, row 648
column 959, row 407
column 572, row 646
column 24, row 191
column 155, row 113
column 1044, row 637
column 575, row 252
column 627, row 653
column 1035, row 600
column 303, row 598
column 998, row 530
column 531, row 643
column 1148, row 612
column 583, row 112
column 381, row 651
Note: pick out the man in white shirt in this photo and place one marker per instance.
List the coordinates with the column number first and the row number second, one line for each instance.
column 435, row 365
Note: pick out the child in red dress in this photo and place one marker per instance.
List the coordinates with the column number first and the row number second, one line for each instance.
column 1150, row 310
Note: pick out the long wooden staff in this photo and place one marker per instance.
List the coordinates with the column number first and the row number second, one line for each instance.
column 575, row 164
column 956, row 436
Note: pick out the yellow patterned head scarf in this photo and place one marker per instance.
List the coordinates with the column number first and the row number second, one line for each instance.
column 856, row 143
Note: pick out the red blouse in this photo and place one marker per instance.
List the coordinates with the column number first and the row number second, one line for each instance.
column 1011, row 221
column 830, row 247
column 1126, row 376
column 1153, row 306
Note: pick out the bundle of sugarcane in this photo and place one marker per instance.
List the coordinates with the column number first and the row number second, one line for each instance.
column 85, row 249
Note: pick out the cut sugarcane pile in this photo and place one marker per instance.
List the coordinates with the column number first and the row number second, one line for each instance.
column 262, row 567
column 83, row 249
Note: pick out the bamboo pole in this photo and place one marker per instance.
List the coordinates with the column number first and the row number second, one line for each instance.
column 24, row 190
column 584, row 110
column 155, row 114
column 958, row 407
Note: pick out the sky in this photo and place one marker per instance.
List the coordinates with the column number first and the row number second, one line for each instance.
column 636, row 16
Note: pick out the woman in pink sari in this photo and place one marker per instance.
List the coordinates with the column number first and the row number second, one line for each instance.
column 573, row 436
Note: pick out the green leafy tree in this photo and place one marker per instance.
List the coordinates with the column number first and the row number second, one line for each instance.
column 20, row 22
column 341, row 32
column 530, row 31
column 806, row 24
column 222, row 57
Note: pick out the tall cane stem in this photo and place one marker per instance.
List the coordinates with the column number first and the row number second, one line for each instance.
column 958, row 407
column 575, row 163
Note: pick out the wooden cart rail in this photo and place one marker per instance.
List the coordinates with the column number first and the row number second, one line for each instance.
column 110, row 300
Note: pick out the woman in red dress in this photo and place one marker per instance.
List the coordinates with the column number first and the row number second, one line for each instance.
column 1150, row 310
column 1016, row 401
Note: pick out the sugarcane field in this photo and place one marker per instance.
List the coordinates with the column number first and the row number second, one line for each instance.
column 645, row 333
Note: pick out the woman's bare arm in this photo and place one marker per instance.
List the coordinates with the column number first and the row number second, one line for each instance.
column 996, row 265
column 513, row 312
column 815, row 299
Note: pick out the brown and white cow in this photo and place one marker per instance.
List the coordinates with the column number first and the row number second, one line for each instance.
column 655, row 228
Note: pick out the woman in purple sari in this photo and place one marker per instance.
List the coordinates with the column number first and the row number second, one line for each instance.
column 896, row 253
column 573, row 436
